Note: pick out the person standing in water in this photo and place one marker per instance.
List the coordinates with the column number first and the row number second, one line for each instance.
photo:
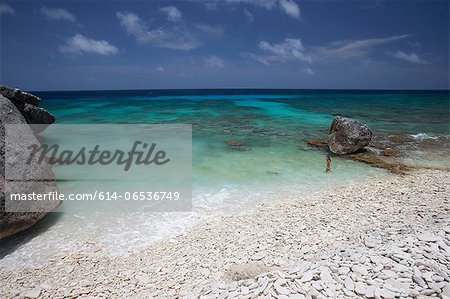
column 328, row 163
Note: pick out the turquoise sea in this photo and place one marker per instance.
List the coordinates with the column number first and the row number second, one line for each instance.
column 273, row 162
column 271, row 123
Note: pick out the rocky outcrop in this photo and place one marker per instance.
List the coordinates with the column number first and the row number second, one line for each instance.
column 35, row 115
column 17, row 95
column 27, row 104
column 21, row 215
column 369, row 156
column 348, row 136
column 319, row 143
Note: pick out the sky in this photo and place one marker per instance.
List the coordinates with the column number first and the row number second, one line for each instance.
column 336, row 44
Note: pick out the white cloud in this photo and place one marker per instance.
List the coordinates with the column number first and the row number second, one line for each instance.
column 160, row 68
column 290, row 49
column 6, row 9
column 354, row 49
column 249, row 16
column 267, row 4
column 211, row 5
column 79, row 44
column 293, row 50
column 57, row 14
column 214, row 62
column 308, row 71
column 290, row 8
column 137, row 28
column 174, row 38
column 413, row 57
column 173, row 13
column 216, row 31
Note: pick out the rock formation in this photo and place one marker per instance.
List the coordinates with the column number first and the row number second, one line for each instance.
column 27, row 104
column 17, row 95
column 348, row 136
column 383, row 160
column 17, row 107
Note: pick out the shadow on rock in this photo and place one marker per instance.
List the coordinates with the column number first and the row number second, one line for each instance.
column 12, row 243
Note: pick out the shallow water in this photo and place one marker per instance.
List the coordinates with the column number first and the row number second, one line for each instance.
column 275, row 159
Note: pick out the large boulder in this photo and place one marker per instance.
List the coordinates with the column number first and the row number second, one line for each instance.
column 35, row 115
column 347, row 136
column 15, row 217
column 27, row 104
column 17, row 95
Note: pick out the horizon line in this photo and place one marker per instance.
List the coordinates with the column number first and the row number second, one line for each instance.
column 241, row 88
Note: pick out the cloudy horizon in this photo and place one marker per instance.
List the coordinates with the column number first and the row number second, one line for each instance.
column 225, row 44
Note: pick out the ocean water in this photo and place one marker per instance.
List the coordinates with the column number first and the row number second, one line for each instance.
column 274, row 161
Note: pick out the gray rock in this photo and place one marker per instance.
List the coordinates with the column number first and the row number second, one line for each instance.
column 390, row 273
column 331, row 291
column 375, row 259
column 428, row 276
column 427, row 237
column 347, row 136
column 246, row 271
column 360, row 288
column 378, row 268
column 370, row 292
column 427, row 292
column 326, row 277
column 360, row 269
column 416, row 271
column 278, row 284
column 419, row 281
column 401, row 268
column 395, row 285
column 446, row 292
column 23, row 214
column 17, row 95
column 143, row 279
column 307, row 276
column 33, row 294
column 384, row 293
column 348, row 283
column 344, row 270
column 35, row 115
column 27, row 105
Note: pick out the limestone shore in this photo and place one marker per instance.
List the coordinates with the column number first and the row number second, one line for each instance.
column 389, row 238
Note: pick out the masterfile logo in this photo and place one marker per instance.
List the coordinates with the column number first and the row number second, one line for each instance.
column 140, row 153
column 126, row 166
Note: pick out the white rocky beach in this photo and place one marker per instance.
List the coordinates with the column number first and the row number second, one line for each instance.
column 389, row 238
column 214, row 149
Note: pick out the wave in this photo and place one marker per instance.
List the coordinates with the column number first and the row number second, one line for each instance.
column 423, row 136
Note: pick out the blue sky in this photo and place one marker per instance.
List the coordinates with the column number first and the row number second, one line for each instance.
column 81, row 45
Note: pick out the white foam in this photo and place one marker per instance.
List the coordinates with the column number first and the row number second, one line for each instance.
column 124, row 233
column 423, row 136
